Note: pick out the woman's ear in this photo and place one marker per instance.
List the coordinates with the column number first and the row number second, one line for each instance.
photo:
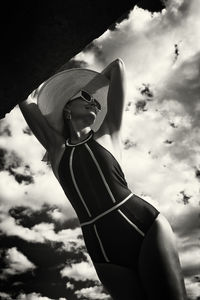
column 67, row 113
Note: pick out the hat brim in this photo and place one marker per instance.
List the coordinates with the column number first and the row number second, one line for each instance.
column 54, row 93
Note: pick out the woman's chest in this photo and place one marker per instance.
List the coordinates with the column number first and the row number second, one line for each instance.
column 103, row 146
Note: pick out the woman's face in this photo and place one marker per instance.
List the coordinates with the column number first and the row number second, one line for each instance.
column 80, row 109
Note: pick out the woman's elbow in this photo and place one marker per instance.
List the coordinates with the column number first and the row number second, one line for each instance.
column 119, row 62
column 119, row 67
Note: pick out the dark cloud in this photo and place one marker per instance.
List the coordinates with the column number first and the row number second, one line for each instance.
column 128, row 105
column 21, row 178
column 10, row 161
column 147, row 95
column 49, row 256
column 140, row 106
column 49, row 259
column 184, row 7
column 27, row 217
column 185, row 198
column 172, row 124
column 4, row 129
column 176, row 52
column 129, row 144
column 187, row 224
column 2, row 159
column 168, row 142
column 196, row 278
column 28, row 131
column 190, row 270
column 45, row 282
column 176, row 13
column 146, row 91
column 197, row 173
column 183, row 84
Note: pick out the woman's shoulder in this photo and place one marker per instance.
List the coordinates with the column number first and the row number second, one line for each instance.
column 110, row 142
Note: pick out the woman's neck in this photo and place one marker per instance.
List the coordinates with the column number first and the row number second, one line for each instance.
column 79, row 135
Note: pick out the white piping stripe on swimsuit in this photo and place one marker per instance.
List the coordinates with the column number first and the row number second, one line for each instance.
column 101, row 173
column 74, row 181
column 106, row 212
column 84, row 141
column 101, row 245
column 132, row 224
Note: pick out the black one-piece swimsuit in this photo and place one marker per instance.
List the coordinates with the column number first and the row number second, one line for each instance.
column 114, row 221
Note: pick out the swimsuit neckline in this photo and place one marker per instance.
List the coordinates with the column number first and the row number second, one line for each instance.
column 68, row 143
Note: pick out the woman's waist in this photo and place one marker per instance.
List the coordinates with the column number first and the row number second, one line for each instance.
column 99, row 213
column 90, row 202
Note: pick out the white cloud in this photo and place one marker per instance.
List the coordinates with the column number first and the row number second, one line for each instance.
column 186, row 223
column 5, row 296
column 182, row 84
column 69, row 237
column 46, row 189
column 19, row 141
column 17, row 263
column 42, row 233
column 146, row 42
column 57, row 215
column 80, row 271
column 95, row 293
column 191, row 258
column 9, row 227
column 33, row 296
column 193, row 287
column 166, row 174
column 70, row 285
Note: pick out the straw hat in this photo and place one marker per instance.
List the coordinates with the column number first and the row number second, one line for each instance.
column 54, row 93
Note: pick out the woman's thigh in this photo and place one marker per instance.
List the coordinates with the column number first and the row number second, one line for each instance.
column 121, row 283
column 159, row 265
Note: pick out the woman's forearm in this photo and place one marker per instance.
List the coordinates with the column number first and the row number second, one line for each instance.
column 36, row 121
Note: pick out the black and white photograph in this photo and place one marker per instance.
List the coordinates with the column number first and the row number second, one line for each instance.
column 100, row 150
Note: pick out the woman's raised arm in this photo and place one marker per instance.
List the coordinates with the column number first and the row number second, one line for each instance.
column 37, row 123
column 115, row 72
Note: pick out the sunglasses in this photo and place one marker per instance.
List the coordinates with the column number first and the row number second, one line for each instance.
column 86, row 97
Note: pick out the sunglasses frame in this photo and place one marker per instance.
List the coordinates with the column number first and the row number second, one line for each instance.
column 91, row 99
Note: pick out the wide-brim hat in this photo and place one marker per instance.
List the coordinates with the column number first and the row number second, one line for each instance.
column 54, row 93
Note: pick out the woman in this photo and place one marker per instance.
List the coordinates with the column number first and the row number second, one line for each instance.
column 130, row 243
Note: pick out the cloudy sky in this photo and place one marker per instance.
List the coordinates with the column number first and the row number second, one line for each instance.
column 43, row 255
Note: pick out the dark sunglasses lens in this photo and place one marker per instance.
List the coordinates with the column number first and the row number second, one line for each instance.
column 89, row 98
column 86, row 96
column 98, row 105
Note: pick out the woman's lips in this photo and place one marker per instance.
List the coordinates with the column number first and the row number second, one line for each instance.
column 92, row 108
